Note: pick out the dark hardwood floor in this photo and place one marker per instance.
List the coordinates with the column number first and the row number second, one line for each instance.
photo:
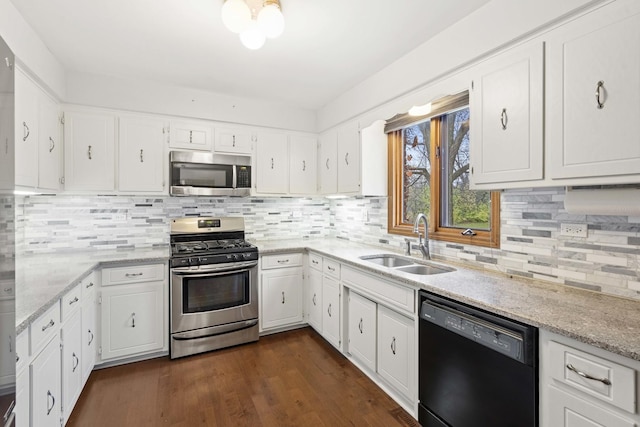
column 288, row 379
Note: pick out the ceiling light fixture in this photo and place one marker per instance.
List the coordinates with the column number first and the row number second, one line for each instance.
column 254, row 20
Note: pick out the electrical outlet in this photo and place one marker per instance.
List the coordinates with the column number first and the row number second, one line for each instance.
column 573, row 230
column 120, row 217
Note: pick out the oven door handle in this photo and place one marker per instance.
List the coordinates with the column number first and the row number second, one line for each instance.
column 216, row 268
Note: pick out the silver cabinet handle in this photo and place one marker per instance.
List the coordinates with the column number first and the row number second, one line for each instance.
column 89, row 153
column 329, row 310
column 141, row 156
column 504, row 119
column 26, row 131
column 7, row 290
column 360, row 325
column 89, row 285
column 604, row 381
column 327, row 163
column 314, row 299
column 90, row 337
column 315, row 262
column 272, row 163
column 10, row 345
column 304, row 165
column 53, row 402
column 48, row 325
column 393, row 345
column 75, row 362
column 599, row 89
column 283, row 261
column 346, row 159
column 283, row 297
column 233, row 144
column 133, row 274
column 133, row 320
column 190, row 136
column 330, row 268
column 73, row 301
column 52, row 145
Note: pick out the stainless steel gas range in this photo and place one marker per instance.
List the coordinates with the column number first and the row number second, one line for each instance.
column 214, row 285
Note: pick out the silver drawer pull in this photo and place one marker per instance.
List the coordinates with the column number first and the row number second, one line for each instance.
column 48, row 325
column 73, row 301
column 599, row 89
column 90, row 285
column 133, row 274
column 53, row 402
column 7, row 290
column 604, row 381
column 133, row 320
column 283, row 261
column 315, row 262
column 331, row 268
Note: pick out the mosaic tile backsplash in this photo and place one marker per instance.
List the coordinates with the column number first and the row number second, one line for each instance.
column 608, row 260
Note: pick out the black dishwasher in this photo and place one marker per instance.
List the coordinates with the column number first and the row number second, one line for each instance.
column 476, row 368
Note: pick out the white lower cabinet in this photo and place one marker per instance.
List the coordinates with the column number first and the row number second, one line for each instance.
column 331, row 311
column 362, row 327
column 46, row 399
column 567, row 410
column 281, row 287
column 72, row 383
column 89, row 333
column 396, row 344
column 314, row 300
column 23, row 406
column 7, row 334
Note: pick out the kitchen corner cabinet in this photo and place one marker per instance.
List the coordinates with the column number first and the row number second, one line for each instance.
column 362, row 329
column 303, row 165
column 26, row 130
column 133, row 311
column 141, row 161
column 593, row 85
column 281, row 289
column 236, row 140
column 506, row 99
column 272, row 163
column 191, row 135
column 89, row 151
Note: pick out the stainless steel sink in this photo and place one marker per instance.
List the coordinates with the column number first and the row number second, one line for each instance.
column 407, row 265
column 425, row 270
column 387, row 260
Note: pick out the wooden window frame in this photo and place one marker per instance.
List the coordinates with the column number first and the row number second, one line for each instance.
column 487, row 238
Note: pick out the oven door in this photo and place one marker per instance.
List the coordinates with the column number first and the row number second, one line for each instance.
column 213, row 295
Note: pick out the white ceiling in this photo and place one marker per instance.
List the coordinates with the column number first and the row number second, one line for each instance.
column 328, row 46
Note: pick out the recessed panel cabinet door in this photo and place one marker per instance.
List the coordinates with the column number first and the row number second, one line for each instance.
column 349, row 159
column 281, row 297
column 331, row 311
column 362, row 329
column 26, row 130
column 89, row 151
column 303, row 155
column 50, row 145
column 593, row 86
column 396, row 359
column 141, row 162
column 327, row 164
column 314, row 301
column 272, row 163
column 46, row 396
column 71, row 362
column 506, row 142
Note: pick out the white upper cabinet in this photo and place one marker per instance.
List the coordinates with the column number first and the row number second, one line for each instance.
column 303, row 176
column 233, row 140
column 141, row 161
column 272, row 163
column 89, row 151
column 49, row 145
column 26, row 130
column 191, row 135
column 6, row 142
column 506, row 98
column 349, row 159
column 593, row 92
column 327, row 163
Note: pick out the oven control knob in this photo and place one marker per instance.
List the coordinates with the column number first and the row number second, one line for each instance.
column 194, row 261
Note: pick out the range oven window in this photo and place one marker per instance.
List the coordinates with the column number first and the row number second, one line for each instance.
column 202, row 294
column 202, row 175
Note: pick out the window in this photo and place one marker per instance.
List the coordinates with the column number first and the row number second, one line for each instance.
column 429, row 172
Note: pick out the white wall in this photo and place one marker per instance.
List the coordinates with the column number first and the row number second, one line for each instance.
column 403, row 83
column 30, row 50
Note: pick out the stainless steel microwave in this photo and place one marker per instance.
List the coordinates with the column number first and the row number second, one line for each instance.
column 199, row 174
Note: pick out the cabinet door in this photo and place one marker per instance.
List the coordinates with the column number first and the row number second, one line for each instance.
column 49, row 145
column 132, row 319
column 71, row 362
column 314, row 300
column 331, row 311
column 303, row 178
column 46, row 387
column 89, row 151
column 281, row 297
column 7, row 335
column 236, row 140
column 272, row 163
column 396, row 359
column 593, row 90
column 328, row 165
column 88, row 353
column 26, row 130
column 141, row 161
column 566, row 410
column 506, row 143
column 190, row 135
column 23, row 405
column 7, row 145
column 362, row 329
column 349, row 159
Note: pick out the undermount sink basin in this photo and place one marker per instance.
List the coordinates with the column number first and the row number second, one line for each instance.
column 387, row 260
column 406, row 265
column 425, row 270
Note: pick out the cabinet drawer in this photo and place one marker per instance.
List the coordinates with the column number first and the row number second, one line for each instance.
column 331, row 268
column 315, row 261
column 88, row 286
column 44, row 327
column 282, row 260
column 22, row 350
column 380, row 290
column 566, row 410
column 70, row 302
column 7, row 289
column 133, row 274
column 621, row 388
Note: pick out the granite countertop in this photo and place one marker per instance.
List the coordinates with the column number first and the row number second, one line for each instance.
column 41, row 279
column 608, row 322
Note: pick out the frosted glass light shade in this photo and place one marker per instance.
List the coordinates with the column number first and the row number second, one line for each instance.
column 271, row 21
column 252, row 37
column 236, row 15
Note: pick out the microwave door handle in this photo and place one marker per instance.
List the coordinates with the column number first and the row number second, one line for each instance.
column 235, row 177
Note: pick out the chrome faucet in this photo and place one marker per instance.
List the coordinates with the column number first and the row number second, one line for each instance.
column 424, row 247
